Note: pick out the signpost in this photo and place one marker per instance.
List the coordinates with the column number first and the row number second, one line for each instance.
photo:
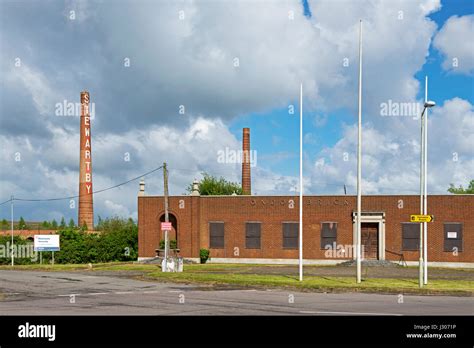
column 43, row 242
column 421, row 218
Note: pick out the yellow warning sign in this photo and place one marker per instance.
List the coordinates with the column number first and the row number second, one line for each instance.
column 421, row 218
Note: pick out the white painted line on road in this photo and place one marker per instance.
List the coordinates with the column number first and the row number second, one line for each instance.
column 150, row 292
column 97, row 293
column 175, row 291
column 349, row 313
column 69, row 295
column 123, row 292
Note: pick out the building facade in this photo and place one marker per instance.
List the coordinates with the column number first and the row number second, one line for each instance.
column 265, row 228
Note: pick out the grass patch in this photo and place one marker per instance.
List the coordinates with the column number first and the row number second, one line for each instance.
column 245, row 275
column 110, row 266
column 318, row 283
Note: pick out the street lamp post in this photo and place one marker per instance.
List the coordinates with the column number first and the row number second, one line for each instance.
column 425, row 189
column 428, row 104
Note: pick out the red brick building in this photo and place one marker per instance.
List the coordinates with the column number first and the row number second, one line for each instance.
column 265, row 228
column 260, row 229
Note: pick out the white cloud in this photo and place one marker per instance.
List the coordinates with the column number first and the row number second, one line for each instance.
column 37, row 84
column 190, row 62
column 454, row 43
column 114, row 209
column 390, row 161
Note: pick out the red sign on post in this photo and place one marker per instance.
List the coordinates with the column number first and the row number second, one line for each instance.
column 166, row 226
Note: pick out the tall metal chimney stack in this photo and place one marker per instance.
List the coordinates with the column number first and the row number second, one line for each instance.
column 246, row 179
column 86, row 208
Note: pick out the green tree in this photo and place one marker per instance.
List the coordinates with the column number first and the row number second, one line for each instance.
column 54, row 224
column 211, row 185
column 45, row 225
column 99, row 225
column 461, row 189
column 72, row 225
column 4, row 224
column 22, row 224
column 62, row 224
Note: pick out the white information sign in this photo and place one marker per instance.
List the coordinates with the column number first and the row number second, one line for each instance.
column 452, row 235
column 46, row 242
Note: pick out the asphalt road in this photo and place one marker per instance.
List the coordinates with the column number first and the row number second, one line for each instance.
column 87, row 293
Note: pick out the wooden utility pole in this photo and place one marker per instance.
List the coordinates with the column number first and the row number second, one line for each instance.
column 165, row 182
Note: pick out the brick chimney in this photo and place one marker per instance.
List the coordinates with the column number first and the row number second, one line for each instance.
column 246, row 179
column 86, row 208
column 142, row 188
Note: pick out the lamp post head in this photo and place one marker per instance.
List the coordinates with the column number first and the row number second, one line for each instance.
column 429, row 104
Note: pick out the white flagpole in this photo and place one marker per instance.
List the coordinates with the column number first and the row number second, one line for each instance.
column 12, row 246
column 359, row 161
column 301, row 187
column 422, row 163
column 425, row 198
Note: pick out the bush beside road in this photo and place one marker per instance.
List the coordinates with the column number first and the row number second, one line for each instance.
column 117, row 241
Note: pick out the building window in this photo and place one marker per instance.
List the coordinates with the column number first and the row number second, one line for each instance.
column 453, row 236
column 252, row 235
column 328, row 234
column 216, row 235
column 290, row 235
column 410, row 236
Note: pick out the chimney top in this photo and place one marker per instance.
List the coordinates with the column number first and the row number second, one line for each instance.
column 142, row 188
column 195, row 191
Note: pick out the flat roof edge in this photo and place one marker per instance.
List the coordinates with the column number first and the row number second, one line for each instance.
column 316, row 196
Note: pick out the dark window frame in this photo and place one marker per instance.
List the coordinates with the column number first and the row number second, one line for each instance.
column 333, row 238
column 404, row 247
column 450, row 243
column 250, row 238
column 211, row 238
column 289, row 238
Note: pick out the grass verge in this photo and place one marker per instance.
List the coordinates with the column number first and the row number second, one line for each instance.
column 318, row 283
column 219, row 275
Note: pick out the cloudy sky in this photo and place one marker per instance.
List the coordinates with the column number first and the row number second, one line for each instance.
column 176, row 81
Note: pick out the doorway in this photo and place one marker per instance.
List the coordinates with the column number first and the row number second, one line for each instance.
column 372, row 234
column 370, row 240
column 173, row 234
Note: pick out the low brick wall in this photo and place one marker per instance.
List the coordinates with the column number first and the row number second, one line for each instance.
column 26, row 233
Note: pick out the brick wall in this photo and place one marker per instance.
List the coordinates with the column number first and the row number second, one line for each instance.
column 194, row 213
column 26, row 233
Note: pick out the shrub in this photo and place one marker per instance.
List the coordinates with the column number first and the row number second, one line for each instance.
column 172, row 243
column 5, row 243
column 204, row 255
column 118, row 241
